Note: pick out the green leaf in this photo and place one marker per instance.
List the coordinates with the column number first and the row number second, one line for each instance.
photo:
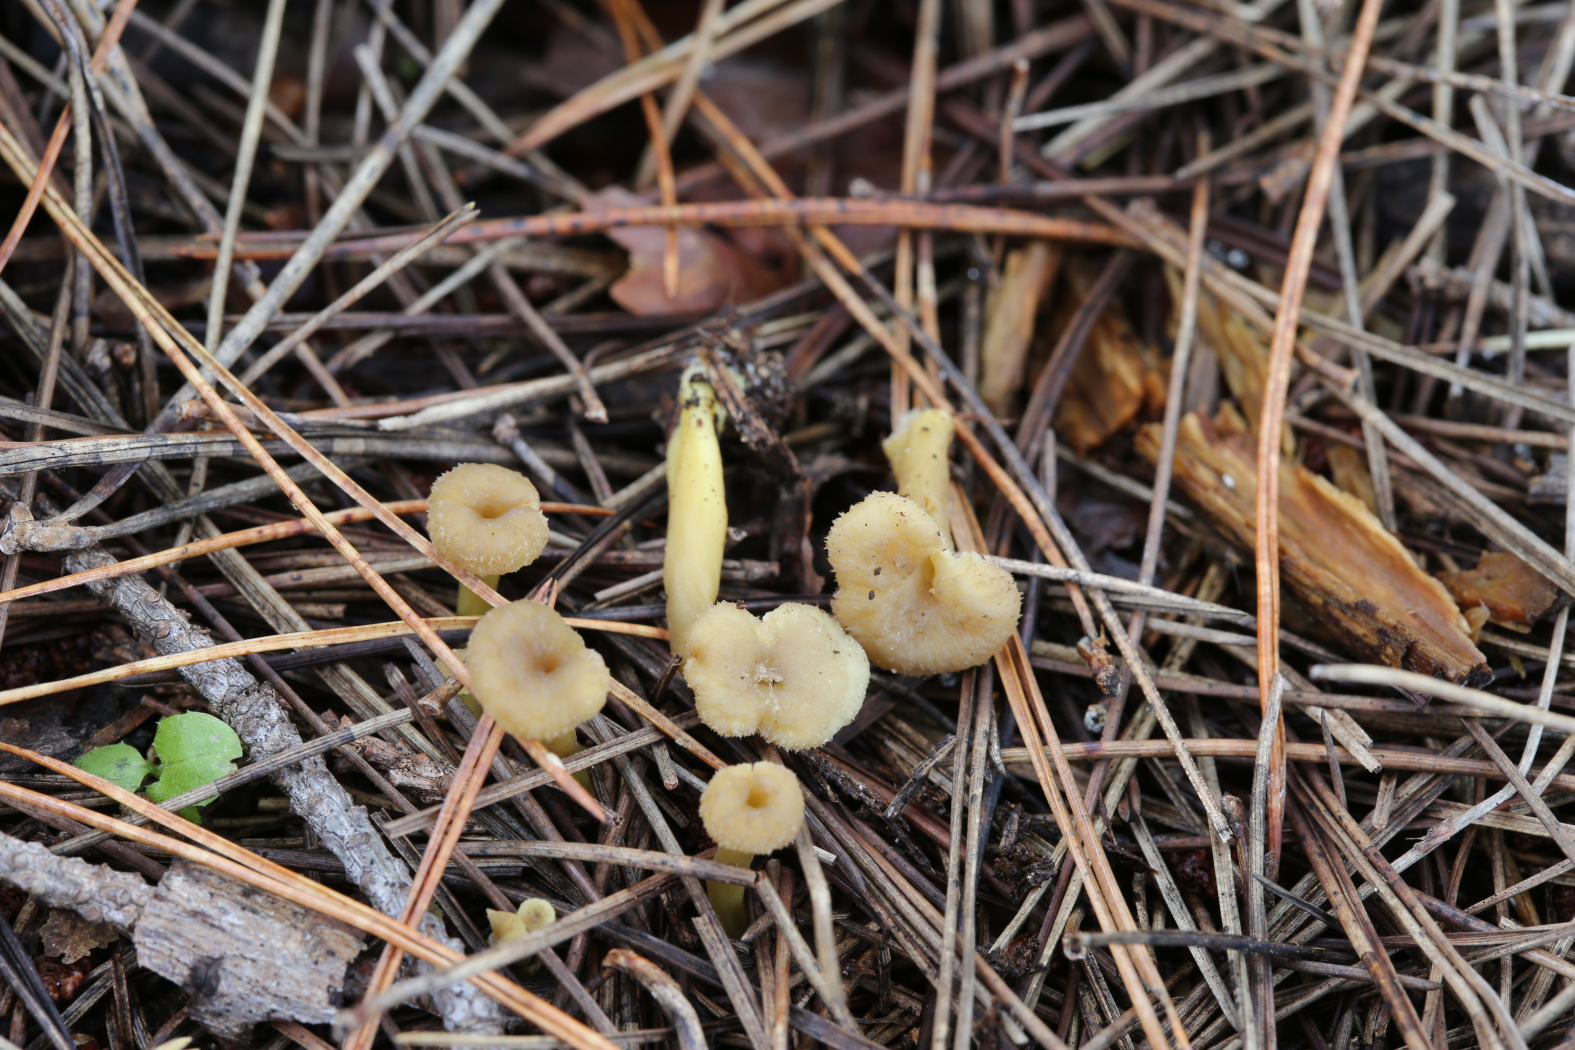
column 196, row 749
column 177, row 778
column 120, row 764
column 195, row 736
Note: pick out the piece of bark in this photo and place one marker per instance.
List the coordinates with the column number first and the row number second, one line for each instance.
column 243, row 956
column 1110, row 382
column 68, row 937
column 1513, row 593
column 1242, row 353
column 1348, row 467
column 406, row 768
column 1335, row 556
column 1009, row 330
column 253, row 710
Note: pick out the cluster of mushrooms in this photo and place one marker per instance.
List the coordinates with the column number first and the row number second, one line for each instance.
column 906, row 601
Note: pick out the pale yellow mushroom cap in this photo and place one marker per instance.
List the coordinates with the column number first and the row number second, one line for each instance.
column 533, row 914
column 486, row 519
column 793, row 676
column 533, row 673
column 916, row 607
column 752, row 808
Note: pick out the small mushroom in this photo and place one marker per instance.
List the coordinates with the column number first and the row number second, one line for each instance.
column 917, row 607
column 534, row 674
column 487, row 520
column 748, row 810
column 793, row 676
column 696, row 509
column 533, row 914
column 918, row 450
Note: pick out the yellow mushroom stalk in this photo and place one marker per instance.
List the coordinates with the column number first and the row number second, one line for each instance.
column 696, row 509
column 748, row 810
column 919, row 449
column 487, row 520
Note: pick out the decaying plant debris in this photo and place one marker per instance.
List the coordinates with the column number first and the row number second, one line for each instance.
column 1251, row 325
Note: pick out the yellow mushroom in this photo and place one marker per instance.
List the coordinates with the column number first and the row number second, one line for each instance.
column 533, row 914
column 917, row 607
column 748, row 810
column 918, row 451
column 487, row 520
column 696, row 508
column 793, row 676
column 534, row 674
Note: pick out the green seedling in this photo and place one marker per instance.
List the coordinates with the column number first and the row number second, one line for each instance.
column 193, row 749
column 120, row 764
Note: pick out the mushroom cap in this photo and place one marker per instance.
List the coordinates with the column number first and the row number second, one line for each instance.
column 486, row 519
column 793, row 676
column 533, row 914
column 916, row 607
column 533, row 673
column 752, row 808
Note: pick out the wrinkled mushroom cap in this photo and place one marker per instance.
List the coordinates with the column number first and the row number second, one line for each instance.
column 532, row 673
column 793, row 676
column 916, row 607
column 486, row 519
column 752, row 808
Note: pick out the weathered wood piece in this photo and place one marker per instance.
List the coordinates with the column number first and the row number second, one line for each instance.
column 1513, row 593
column 1335, row 556
column 243, row 956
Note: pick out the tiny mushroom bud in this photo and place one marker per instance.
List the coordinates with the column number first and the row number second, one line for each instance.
column 793, row 676
column 533, row 914
column 487, row 520
column 696, row 508
column 534, row 675
column 917, row 607
column 918, row 450
column 748, row 810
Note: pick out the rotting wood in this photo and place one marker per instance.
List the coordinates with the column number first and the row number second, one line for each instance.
column 1335, row 556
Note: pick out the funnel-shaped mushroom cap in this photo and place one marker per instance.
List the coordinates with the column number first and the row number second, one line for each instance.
column 793, row 676
column 916, row 607
column 752, row 808
column 486, row 519
column 532, row 673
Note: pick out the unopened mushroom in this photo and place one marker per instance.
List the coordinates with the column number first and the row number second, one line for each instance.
column 533, row 914
column 916, row 606
column 696, row 509
column 534, row 674
column 487, row 520
column 793, row 676
column 918, row 450
column 748, row 810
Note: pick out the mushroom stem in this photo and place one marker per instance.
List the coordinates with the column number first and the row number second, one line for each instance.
column 697, row 509
column 469, row 603
column 566, row 745
column 918, row 449
column 728, row 898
